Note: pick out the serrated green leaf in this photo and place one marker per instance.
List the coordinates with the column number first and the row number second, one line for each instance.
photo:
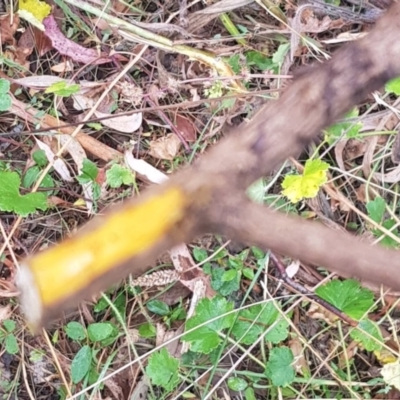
column 393, row 86
column 117, row 176
column 147, row 330
column 11, row 344
column 206, row 338
column 254, row 321
column 259, row 60
column 229, row 275
column 376, row 209
column 279, row 366
column 234, row 62
column 237, row 384
column 75, row 331
column 100, row 331
column 348, row 296
column 372, row 329
column 163, row 369
column 80, row 365
column 158, row 307
column 12, row 200
column 63, row 89
column 297, row 187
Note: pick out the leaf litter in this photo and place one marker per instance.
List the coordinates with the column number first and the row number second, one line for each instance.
column 65, row 54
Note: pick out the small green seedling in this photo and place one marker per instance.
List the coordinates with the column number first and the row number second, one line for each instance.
column 7, row 337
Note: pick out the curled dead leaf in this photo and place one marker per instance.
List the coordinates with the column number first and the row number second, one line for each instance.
column 165, row 148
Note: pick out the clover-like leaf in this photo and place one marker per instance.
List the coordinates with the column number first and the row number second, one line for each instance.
column 298, row 187
column 163, row 370
column 279, row 366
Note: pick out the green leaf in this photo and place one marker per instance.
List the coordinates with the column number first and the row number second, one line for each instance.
column 89, row 172
column 100, row 331
column 81, row 364
column 117, row 176
column 376, row 209
column 259, row 60
column 36, row 355
column 163, row 370
column 31, row 176
column 199, row 254
column 4, row 86
column 237, row 384
column 256, row 191
column 248, row 273
column 223, row 288
column 147, row 330
column 254, row 321
column 234, row 62
column 387, row 241
column 39, row 156
column 12, row 200
column 158, row 307
column 206, row 338
column 393, row 86
column 9, row 325
column 249, row 394
column 63, row 89
column 372, row 329
column 11, row 344
column 229, row 275
column 297, row 187
column 348, row 296
column 279, row 55
column 336, row 131
column 279, row 369
column 5, row 102
column 75, row 331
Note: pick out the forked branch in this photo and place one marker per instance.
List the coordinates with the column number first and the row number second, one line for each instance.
column 208, row 197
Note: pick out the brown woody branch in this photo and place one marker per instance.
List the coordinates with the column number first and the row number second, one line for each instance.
column 210, row 192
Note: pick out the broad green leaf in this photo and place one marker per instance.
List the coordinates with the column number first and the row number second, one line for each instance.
column 348, row 296
column 199, row 254
column 163, row 369
column 80, row 365
column 256, row 191
column 279, row 366
column 229, row 275
column 297, row 187
column 4, row 86
column 376, row 209
column 206, row 338
column 75, row 331
column 12, row 200
column 89, row 172
column 62, row 89
column 9, row 325
column 31, row 176
column 39, row 156
column 367, row 342
column 11, row 344
column 350, row 128
column 254, row 58
column 237, row 384
column 147, row 330
column 100, row 331
column 248, row 273
column 5, row 102
column 117, row 176
column 158, row 307
column 254, row 321
column 393, row 86
column 222, row 287
column 387, row 241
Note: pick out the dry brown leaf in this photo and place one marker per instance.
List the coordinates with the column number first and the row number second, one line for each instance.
column 300, row 363
column 7, row 30
column 5, row 312
column 165, row 148
column 186, row 128
column 65, row 66
column 124, row 123
column 318, row 312
column 163, row 335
